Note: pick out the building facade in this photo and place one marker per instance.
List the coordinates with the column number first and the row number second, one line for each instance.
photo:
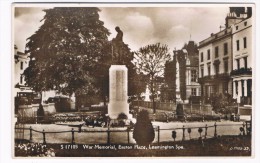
column 242, row 61
column 215, row 64
column 21, row 62
column 225, row 58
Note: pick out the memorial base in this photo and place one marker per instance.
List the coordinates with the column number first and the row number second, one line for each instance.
column 116, row 108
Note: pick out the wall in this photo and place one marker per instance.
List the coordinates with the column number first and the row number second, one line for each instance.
column 243, row 31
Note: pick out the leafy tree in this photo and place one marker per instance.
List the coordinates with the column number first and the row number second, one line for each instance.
column 71, row 53
column 143, row 131
column 137, row 85
column 65, row 51
column 150, row 60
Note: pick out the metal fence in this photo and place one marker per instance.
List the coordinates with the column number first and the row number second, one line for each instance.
column 108, row 136
column 170, row 106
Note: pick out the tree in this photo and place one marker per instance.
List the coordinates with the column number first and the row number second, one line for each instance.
column 170, row 79
column 150, row 60
column 65, row 51
column 143, row 131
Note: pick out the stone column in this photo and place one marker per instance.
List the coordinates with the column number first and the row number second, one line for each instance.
column 239, row 91
column 234, row 89
column 245, row 88
column 118, row 98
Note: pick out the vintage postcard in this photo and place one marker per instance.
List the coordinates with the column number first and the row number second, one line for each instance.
column 133, row 80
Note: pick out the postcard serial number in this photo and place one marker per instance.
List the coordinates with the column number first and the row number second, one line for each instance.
column 239, row 148
column 69, row 146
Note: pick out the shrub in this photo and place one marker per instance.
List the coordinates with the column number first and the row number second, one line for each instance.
column 143, row 131
column 122, row 116
column 121, row 119
column 224, row 104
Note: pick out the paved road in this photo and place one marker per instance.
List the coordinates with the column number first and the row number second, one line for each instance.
column 100, row 137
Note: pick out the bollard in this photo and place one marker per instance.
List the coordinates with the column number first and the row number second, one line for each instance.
column 30, row 133
column 183, row 133
column 174, row 135
column 73, row 138
column 44, row 140
column 206, row 130
column 215, row 132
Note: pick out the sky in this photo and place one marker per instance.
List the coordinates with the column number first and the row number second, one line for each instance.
column 173, row 26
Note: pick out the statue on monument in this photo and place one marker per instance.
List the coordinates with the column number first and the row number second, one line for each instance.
column 117, row 46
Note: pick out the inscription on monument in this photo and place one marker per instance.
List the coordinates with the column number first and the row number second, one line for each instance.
column 119, row 85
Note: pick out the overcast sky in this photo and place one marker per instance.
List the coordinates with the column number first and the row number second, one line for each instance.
column 173, row 26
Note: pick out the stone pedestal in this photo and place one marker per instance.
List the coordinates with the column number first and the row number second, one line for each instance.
column 118, row 91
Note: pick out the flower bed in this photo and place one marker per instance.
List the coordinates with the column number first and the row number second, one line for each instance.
column 33, row 149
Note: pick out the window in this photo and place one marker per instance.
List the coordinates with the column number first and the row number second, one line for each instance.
column 225, row 48
column 238, row 64
column 237, row 45
column 245, row 42
column 21, row 79
column 216, row 52
column 225, row 87
column 245, row 62
column 236, row 85
column 201, row 57
column 202, row 71
column 193, row 76
column 193, row 91
column 236, row 27
column 216, row 69
column 21, row 66
column 245, row 23
column 208, row 54
column 243, row 92
column 209, row 70
column 226, row 66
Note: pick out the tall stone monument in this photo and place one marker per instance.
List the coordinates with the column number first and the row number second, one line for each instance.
column 177, row 82
column 118, row 80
